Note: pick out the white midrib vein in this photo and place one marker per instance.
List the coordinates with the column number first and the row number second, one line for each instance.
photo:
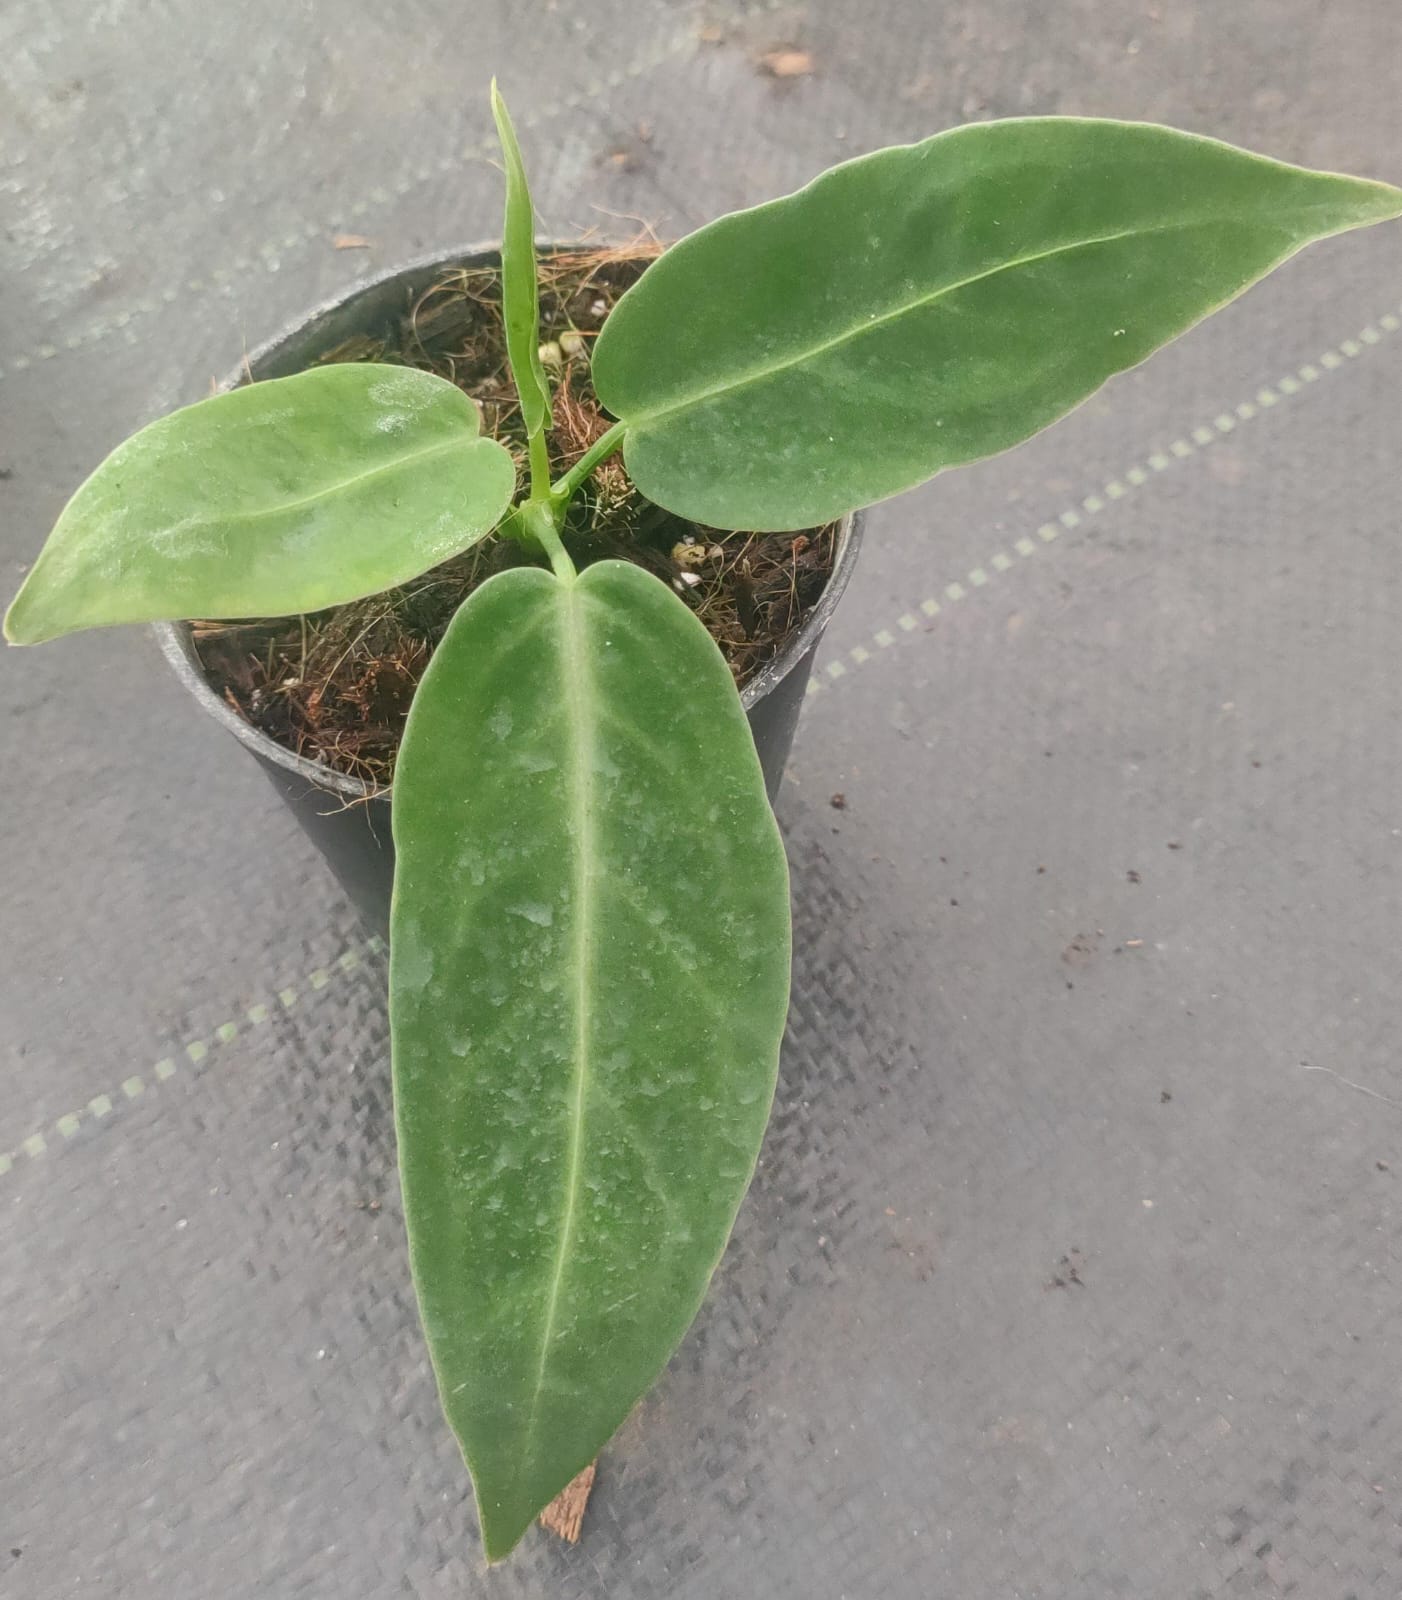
column 647, row 418
column 580, row 736
column 341, row 485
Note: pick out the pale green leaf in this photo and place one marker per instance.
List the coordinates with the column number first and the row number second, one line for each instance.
column 520, row 292
column 273, row 499
column 936, row 303
column 588, row 982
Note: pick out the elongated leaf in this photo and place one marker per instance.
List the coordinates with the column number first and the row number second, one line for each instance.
column 588, row 981
column 933, row 304
column 520, row 292
column 275, row 498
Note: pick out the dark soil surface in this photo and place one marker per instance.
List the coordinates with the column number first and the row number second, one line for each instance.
column 336, row 686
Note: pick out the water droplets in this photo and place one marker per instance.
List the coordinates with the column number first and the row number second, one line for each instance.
column 471, row 863
column 533, row 911
column 403, row 388
column 413, row 957
column 534, row 760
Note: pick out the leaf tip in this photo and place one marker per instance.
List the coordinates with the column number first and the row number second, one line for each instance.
column 1372, row 199
column 19, row 631
column 500, row 1533
column 1390, row 197
column 501, row 116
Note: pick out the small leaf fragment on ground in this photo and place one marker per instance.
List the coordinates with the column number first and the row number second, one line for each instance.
column 786, row 62
column 565, row 1513
column 351, row 241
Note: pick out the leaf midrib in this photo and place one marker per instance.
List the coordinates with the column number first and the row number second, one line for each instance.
column 645, row 419
column 340, row 486
column 580, row 736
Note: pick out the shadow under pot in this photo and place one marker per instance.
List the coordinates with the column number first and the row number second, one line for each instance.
column 348, row 818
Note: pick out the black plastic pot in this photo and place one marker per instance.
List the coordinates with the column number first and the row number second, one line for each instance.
column 344, row 817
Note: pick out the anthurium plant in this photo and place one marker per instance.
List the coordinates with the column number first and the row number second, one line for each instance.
column 589, row 959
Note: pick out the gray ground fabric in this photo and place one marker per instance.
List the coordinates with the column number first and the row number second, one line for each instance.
column 1071, row 1269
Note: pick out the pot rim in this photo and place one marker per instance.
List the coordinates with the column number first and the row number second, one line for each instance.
column 177, row 644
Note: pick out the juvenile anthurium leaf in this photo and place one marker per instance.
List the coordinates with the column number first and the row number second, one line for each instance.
column 936, row 303
column 588, row 980
column 275, row 498
column 520, row 293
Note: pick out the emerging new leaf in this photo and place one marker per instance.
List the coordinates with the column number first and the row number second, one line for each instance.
column 588, row 980
column 273, row 499
column 936, row 303
column 520, row 288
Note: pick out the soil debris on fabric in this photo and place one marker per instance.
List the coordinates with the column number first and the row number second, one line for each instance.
column 788, row 61
column 1082, row 950
column 336, row 686
column 1068, row 1271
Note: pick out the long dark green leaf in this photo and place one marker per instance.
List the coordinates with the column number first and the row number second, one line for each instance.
column 936, row 303
column 588, row 982
column 520, row 293
column 272, row 499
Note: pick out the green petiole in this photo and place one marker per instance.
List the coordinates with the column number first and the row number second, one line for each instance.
column 564, row 489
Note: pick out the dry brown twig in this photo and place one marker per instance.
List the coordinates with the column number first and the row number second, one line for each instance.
column 565, row 1513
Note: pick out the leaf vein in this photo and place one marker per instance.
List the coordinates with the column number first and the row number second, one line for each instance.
column 281, row 507
column 581, row 734
column 641, row 1147
column 685, row 960
column 647, row 418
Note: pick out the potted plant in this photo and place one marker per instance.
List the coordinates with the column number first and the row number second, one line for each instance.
column 590, row 930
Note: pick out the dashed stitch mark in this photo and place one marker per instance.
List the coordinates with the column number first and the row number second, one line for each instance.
column 137, row 1086
column 1191, row 444
column 100, row 1106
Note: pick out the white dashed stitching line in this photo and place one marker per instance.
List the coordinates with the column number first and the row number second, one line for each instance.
column 196, row 1051
column 1135, row 477
column 101, row 1106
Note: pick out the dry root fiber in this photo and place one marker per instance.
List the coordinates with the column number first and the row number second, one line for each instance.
column 336, row 686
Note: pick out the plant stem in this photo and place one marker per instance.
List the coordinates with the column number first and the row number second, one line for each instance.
column 565, row 488
column 539, row 517
column 539, row 456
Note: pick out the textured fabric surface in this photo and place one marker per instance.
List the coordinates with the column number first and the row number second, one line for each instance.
column 1071, row 1266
